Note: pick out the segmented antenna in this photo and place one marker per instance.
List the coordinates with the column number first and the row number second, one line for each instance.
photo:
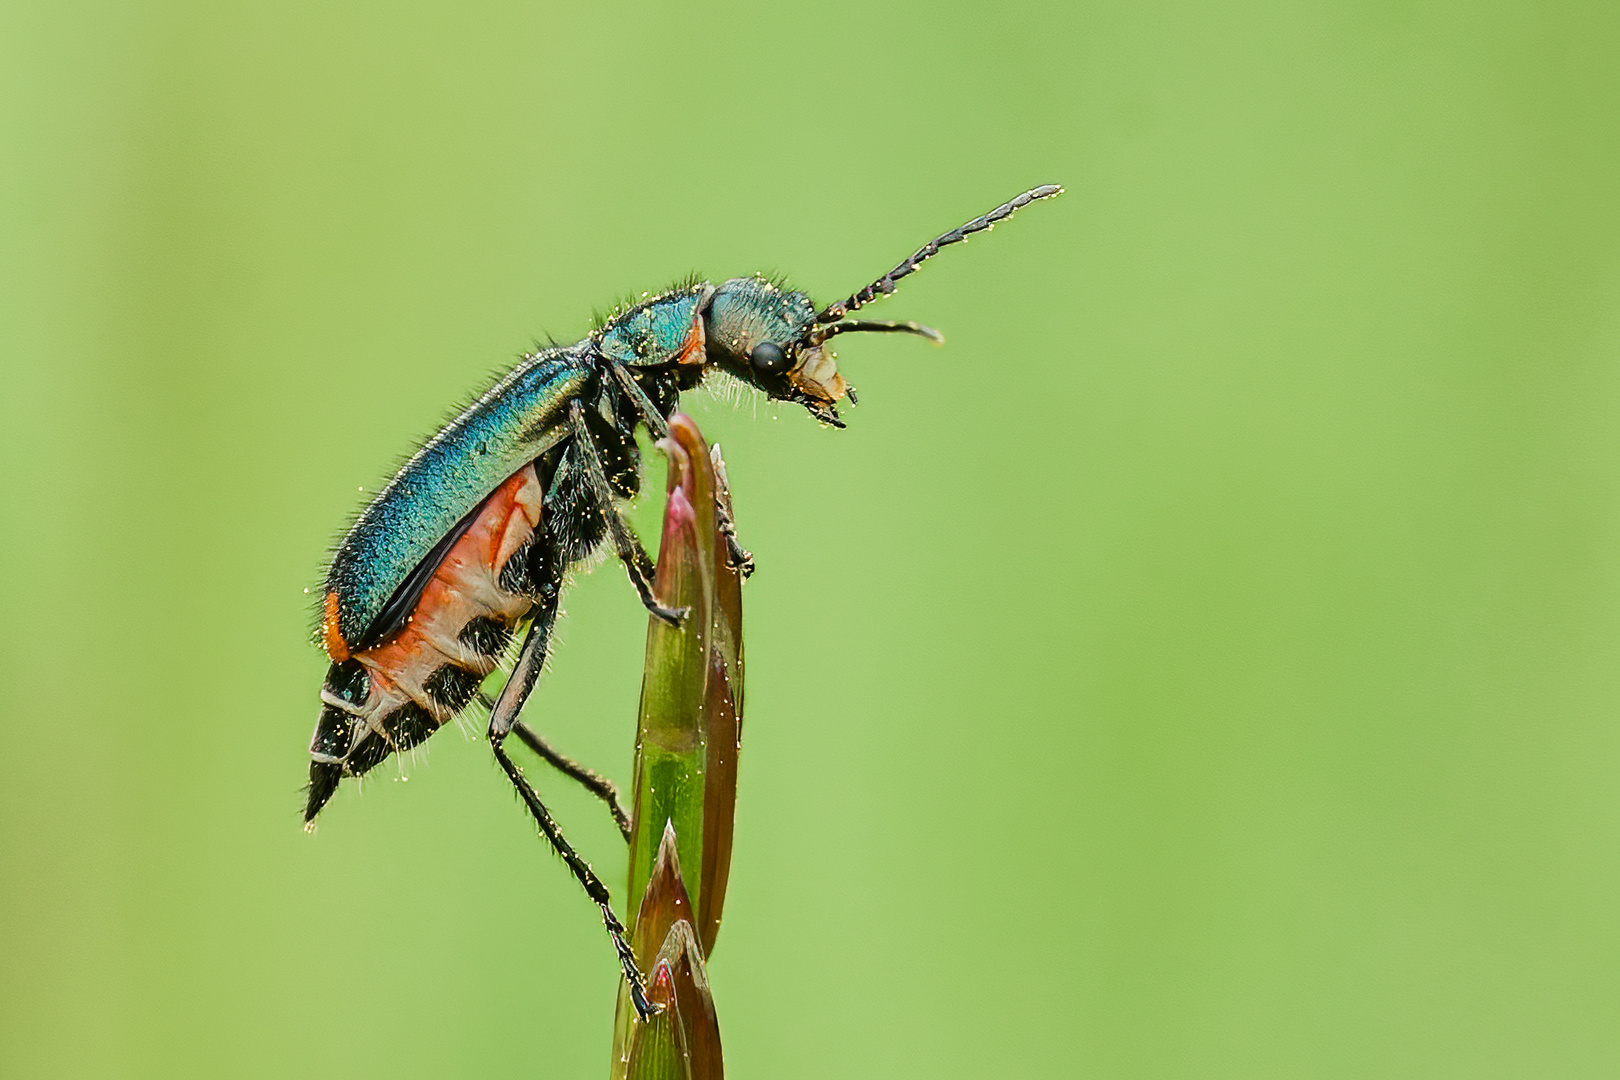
column 862, row 326
column 885, row 284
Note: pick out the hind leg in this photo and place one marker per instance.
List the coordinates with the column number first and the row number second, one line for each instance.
column 502, row 719
column 587, row 777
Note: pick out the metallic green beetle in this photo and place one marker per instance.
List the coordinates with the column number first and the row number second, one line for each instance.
column 470, row 541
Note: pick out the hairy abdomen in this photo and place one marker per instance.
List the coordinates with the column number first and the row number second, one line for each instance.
column 394, row 694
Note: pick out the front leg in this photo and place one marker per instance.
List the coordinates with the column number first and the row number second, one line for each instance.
column 638, row 397
column 736, row 555
column 637, row 563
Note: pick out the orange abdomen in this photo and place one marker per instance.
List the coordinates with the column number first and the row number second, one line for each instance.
column 392, row 695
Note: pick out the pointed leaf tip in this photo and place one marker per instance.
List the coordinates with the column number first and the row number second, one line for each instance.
column 664, row 902
column 658, row 1046
column 682, row 1042
column 700, row 1026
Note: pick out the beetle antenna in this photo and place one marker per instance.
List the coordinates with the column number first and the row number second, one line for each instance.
column 862, row 326
column 885, row 284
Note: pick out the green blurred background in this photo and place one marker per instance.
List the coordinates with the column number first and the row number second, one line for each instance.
column 1206, row 666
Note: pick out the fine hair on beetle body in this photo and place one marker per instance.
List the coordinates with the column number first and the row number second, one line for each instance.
column 470, row 543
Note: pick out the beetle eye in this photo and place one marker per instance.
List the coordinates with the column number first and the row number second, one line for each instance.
column 768, row 358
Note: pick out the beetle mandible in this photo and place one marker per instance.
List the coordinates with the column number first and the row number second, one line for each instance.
column 471, row 540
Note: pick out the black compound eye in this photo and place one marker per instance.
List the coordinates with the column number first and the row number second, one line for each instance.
column 768, row 358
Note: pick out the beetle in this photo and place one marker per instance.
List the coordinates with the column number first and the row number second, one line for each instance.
column 471, row 540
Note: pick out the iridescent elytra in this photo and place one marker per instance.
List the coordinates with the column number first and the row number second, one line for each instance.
column 469, row 544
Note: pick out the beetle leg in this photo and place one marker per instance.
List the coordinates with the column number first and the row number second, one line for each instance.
column 587, row 778
column 502, row 718
column 586, row 877
column 740, row 558
column 649, row 414
column 737, row 555
column 637, row 563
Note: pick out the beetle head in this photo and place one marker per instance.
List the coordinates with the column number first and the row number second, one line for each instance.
column 766, row 336
column 775, row 339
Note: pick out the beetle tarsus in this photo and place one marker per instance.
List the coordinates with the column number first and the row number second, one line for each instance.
column 634, row 979
column 739, row 558
column 673, row 616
